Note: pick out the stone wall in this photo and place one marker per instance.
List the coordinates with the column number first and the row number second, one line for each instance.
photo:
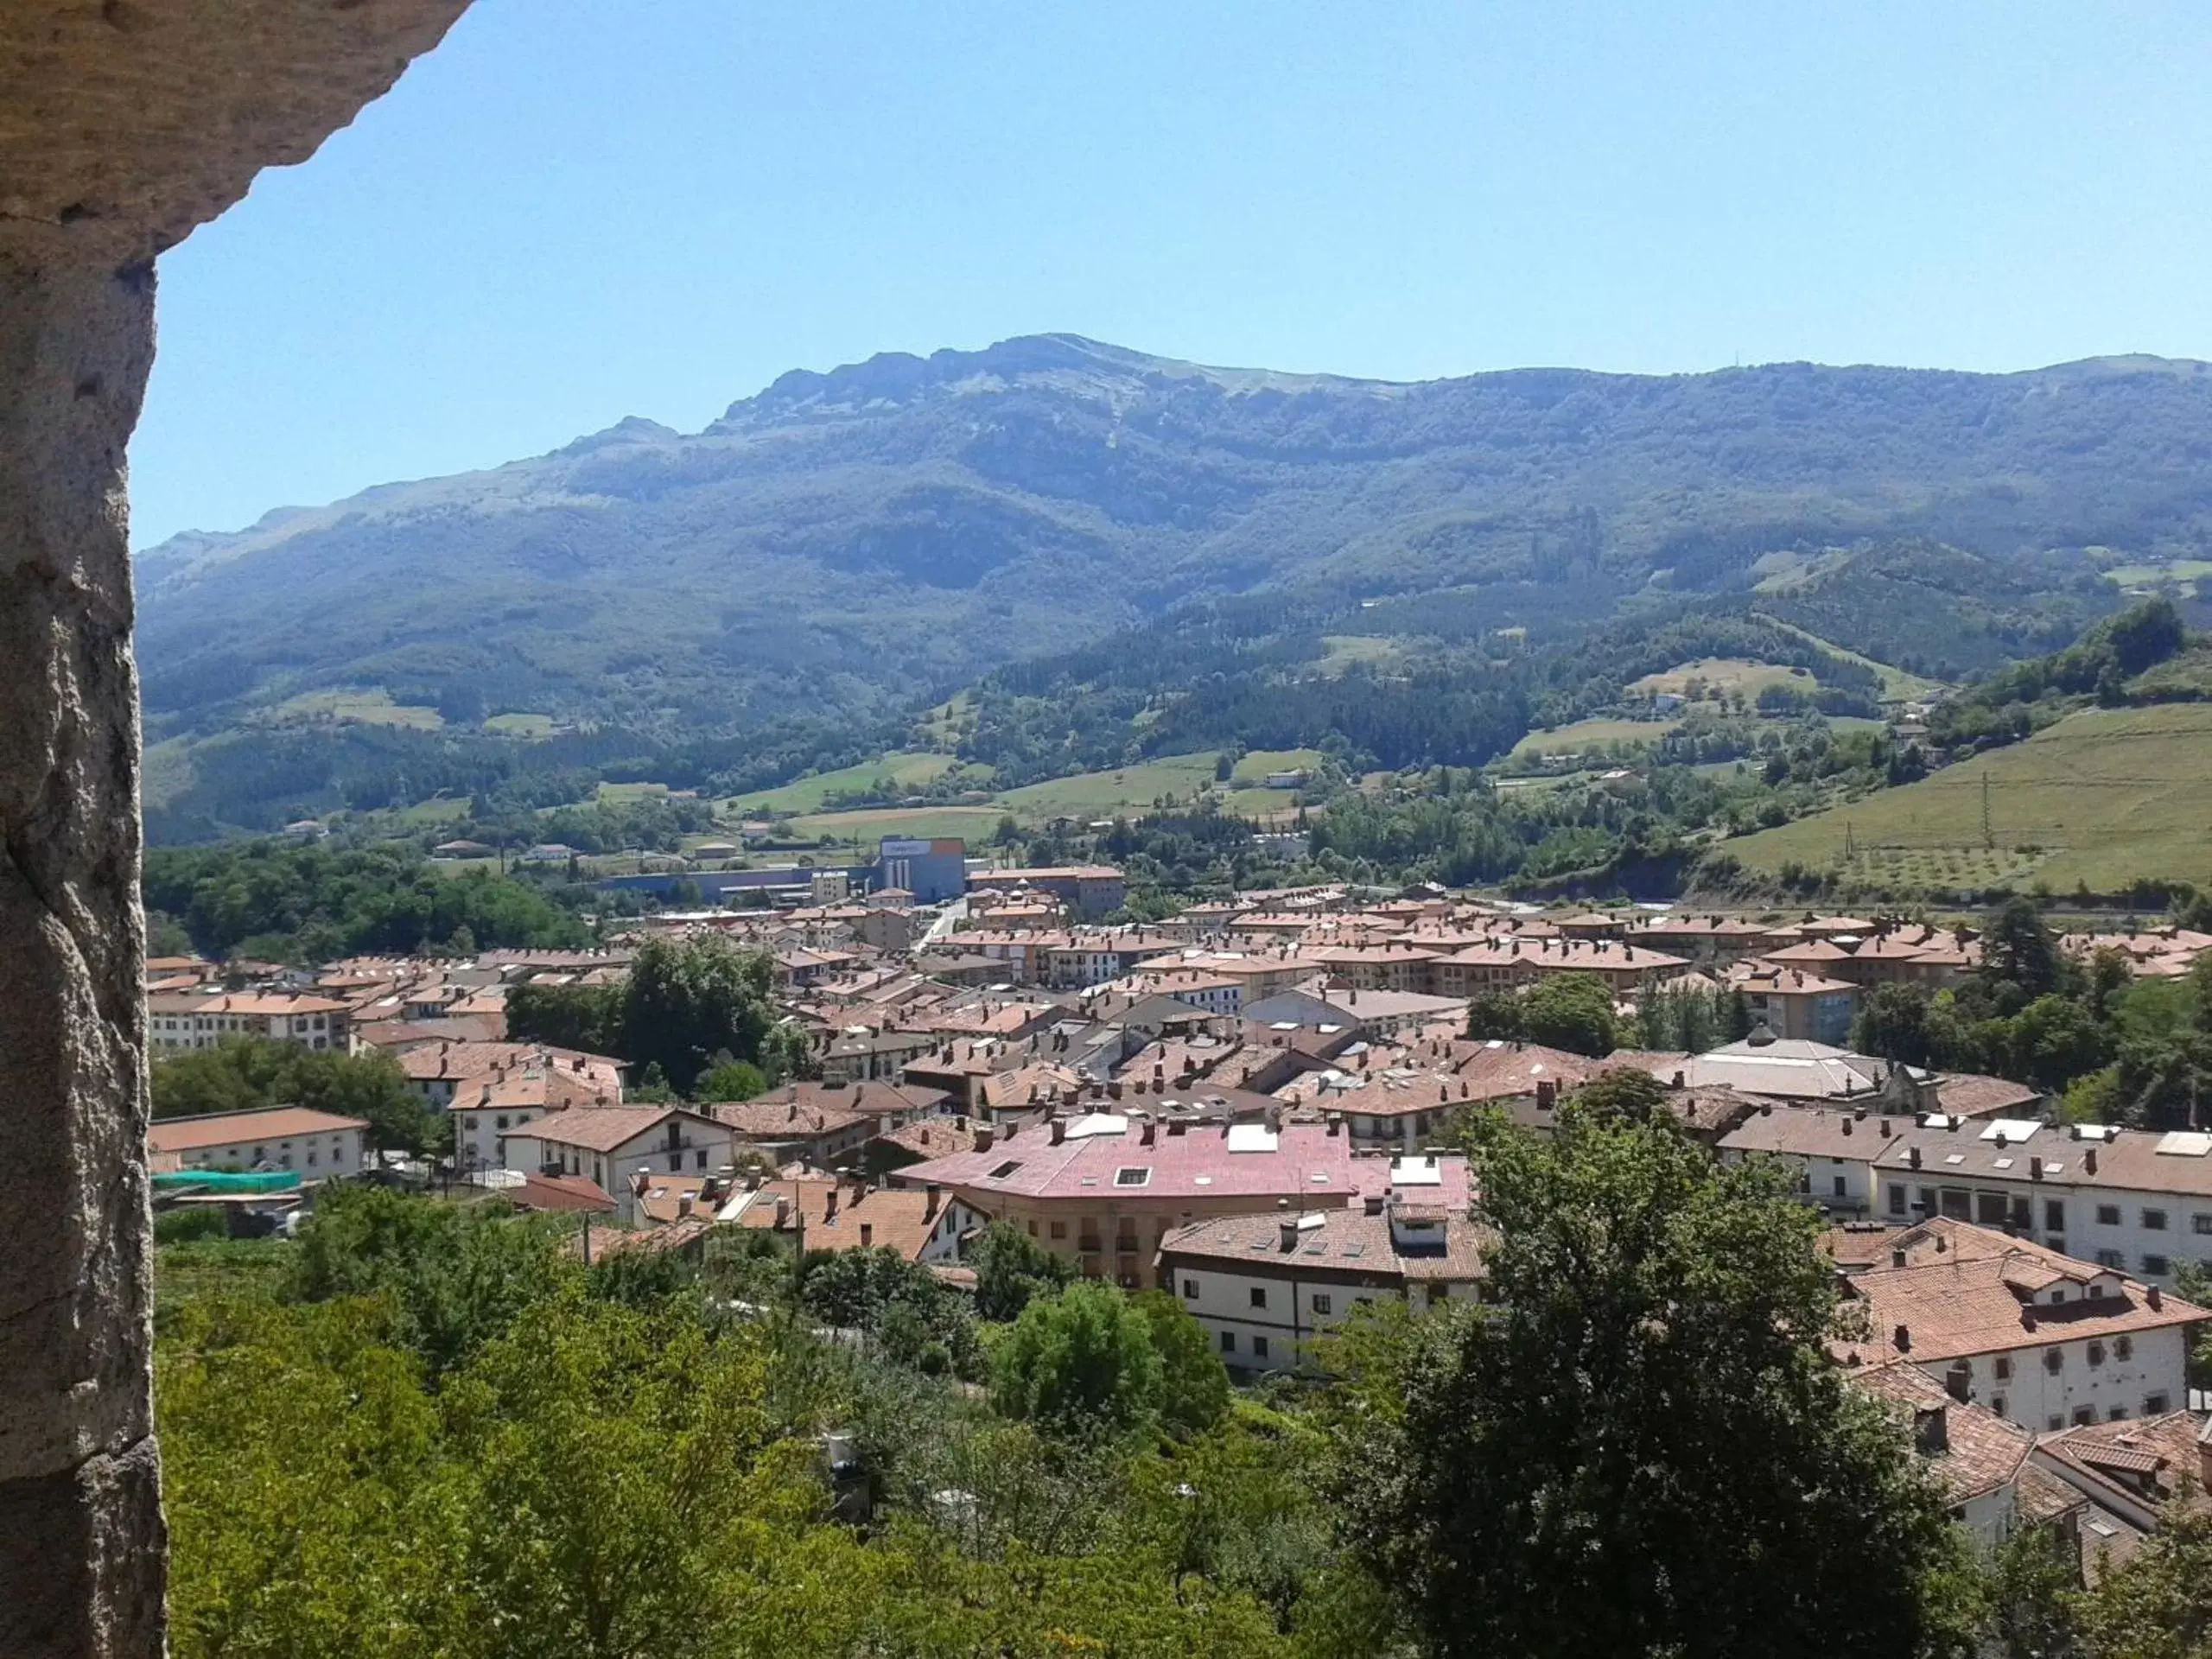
column 123, row 124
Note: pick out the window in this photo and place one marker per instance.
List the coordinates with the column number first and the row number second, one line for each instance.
column 1259, row 1295
column 500, row 1122
column 1840, row 1188
column 1190, row 1290
column 1997, row 1404
column 1228, row 1342
column 1004, row 1170
column 2004, row 1367
column 2123, row 1347
column 2054, row 1422
column 1925, row 1203
column 1321, row 1302
column 2096, row 1353
column 2201, row 1222
column 2117, row 1414
column 469, row 1123
column 2054, row 1215
column 1032, row 1230
column 2111, row 1259
column 2054, row 1359
column 2154, row 1405
column 1259, row 1347
column 1135, row 1176
column 2157, row 1266
column 1059, row 1229
column 1989, row 1209
column 1896, row 1199
column 2154, row 1220
column 2107, row 1215
column 2084, row 1415
column 1435, row 1295
column 311, row 1160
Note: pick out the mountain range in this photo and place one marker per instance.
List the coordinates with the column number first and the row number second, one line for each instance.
column 849, row 544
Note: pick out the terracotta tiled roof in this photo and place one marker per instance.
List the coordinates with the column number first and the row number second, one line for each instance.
column 235, row 1128
column 1983, row 1452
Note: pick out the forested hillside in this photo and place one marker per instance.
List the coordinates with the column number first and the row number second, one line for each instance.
column 783, row 589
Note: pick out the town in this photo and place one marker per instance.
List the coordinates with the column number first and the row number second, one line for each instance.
column 1259, row 1108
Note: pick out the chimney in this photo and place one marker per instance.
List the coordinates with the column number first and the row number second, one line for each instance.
column 1886, row 1129
column 1177, row 1126
column 2089, row 1161
column 1931, row 1430
column 1373, row 1204
column 931, row 1195
column 1547, row 1093
column 868, row 1234
column 684, row 1205
column 1058, row 1129
column 1903, row 1339
column 1146, row 1138
column 983, row 1137
column 1679, row 1079
column 1912, row 1156
column 783, row 1213
column 2035, row 1167
column 1897, row 1258
column 2153, row 1295
column 1288, row 1231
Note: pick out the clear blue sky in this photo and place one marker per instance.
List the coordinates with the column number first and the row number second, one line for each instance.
column 577, row 210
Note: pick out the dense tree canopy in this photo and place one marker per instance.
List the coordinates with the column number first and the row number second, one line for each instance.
column 243, row 1073
column 1640, row 1447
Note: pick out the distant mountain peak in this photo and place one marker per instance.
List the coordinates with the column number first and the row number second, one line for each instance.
column 1068, row 362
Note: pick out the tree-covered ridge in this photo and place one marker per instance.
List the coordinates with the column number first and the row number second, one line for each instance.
column 816, row 564
column 2023, row 697
column 272, row 899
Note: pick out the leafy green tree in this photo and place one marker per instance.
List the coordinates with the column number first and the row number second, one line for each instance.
column 242, row 1073
column 2158, row 1603
column 2032, row 1578
column 2020, row 959
column 1892, row 1023
column 1194, row 1388
column 455, row 1277
column 1010, row 1268
column 588, row 1018
column 686, row 1002
column 1495, row 1014
column 731, row 1080
column 1078, row 1363
column 1624, row 1093
column 1654, row 1358
column 2048, row 1043
column 1570, row 1011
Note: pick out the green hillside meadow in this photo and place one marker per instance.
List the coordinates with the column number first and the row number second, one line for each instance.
column 2102, row 798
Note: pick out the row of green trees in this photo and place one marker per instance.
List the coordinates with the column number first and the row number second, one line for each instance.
column 2119, row 1049
column 687, row 1012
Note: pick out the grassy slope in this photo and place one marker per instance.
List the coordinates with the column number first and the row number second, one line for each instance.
column 910, row 770
column 1723, row 674
column 1896, row 684
column 2106, row 796
column 1571, row 739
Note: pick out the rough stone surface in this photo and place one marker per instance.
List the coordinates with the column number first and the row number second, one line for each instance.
column 123, row 124
column 131, row 121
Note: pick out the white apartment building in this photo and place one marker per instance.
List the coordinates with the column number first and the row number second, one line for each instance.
column 609, row 1144
column 2132, row 1201
column 2035, row 1337
column 187, row 1019
column 1832, row 1150
column 1266, row 1286
column 317, row 1145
